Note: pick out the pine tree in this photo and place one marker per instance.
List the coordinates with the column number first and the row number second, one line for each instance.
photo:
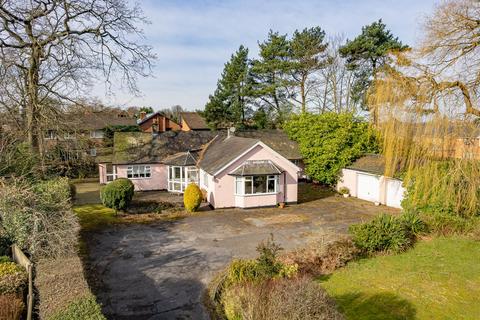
column 270, row 77
column 229, row 105
column 308, row 55
column 366, row 54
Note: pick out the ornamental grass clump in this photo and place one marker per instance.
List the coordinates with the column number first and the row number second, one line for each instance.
column 118, row 194
column 192, row 198
column 385, row 233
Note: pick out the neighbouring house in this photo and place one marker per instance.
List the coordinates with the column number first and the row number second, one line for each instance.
column 234, row 171
column 365, row 180
column 86, row 135
column 192, row 121
column 156, row 122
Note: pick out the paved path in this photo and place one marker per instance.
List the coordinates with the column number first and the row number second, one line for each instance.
column 160, row 271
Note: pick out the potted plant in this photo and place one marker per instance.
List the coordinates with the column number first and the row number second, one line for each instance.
column 345, row 191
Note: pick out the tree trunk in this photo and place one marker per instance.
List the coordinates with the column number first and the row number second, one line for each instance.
column 303, row 93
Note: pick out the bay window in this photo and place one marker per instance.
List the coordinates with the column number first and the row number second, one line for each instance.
column 138, row 171
column 256, row 185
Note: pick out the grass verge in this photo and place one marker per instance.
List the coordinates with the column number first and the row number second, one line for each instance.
column 437, row 279
column 96, row 216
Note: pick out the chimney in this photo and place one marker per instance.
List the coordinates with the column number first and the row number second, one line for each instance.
column 230, row 132
column 143, row 114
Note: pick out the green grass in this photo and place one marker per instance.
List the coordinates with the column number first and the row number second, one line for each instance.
column 95, row 216
column 438, row 279
column 81, row 309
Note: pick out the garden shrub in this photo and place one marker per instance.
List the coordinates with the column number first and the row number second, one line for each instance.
column 38, row 217
column 13, row 278
column 444, row 187
column 384, row 233
column 330, row 141
column 318, row 259
column 279, row 299
column 117, row 194
column 413, row 223
column 192, row 198
column 266, row 266
column 11, row 306
column 5, row 243
column 443, row 224
column 80, row 309
column 4, row 259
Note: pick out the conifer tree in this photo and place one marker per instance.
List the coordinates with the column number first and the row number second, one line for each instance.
column 229, row 105
column 366, row 54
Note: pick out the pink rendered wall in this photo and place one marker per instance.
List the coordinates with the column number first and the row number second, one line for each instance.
column 157, row 181
column 224, row 192
column 102, row 173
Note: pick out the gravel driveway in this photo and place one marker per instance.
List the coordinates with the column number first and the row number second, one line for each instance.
column 160, row 271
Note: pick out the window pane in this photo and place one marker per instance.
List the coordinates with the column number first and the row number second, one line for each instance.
column 271, row 185
column 248, row 185
column 259, row 184
column 238, row 185
column 177, row 172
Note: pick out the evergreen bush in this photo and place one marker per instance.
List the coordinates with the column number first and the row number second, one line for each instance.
column 384, row 233
column 192, row 198
column 117, row 194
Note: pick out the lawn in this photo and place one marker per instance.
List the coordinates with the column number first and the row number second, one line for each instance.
column 93, row 216
column 438, row 279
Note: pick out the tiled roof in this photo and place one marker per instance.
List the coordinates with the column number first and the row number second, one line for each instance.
column 373, row 163
column 222, row 151
column 256, row 167
column 194, row 120
column 100, row 120
column 188, row 158
column 142, row 147
column 276, row 139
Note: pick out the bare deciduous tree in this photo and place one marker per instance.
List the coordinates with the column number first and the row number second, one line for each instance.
column 51, row 51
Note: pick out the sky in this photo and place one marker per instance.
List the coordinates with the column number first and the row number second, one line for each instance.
column 194, row 38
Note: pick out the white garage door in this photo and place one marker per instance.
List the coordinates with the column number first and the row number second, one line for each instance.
column 395, row 193
column 368, row 187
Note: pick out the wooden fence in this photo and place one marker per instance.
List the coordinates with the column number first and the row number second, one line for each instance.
column 20, row 258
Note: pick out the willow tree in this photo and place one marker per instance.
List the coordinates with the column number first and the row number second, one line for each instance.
column 428, row 103
column 54, row 50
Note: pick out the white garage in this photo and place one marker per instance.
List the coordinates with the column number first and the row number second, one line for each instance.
column 368, row 187
column 365, row 180
column 395, row 193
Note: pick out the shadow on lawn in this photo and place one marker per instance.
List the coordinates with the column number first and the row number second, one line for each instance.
column 382, row 306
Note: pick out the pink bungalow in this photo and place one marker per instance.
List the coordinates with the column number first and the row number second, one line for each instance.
column 234, row 171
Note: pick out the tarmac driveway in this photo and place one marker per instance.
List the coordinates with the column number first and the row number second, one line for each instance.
column 160, row 271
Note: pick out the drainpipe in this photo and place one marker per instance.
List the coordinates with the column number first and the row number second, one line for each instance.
column 285, row 187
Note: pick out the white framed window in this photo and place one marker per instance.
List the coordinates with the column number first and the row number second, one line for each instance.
column 205, row 179
column 68, row 135
column 249, row 185
column 93, row 152
column 50, row 135
column 180, row 176
column 96, row 134
column 138, row 171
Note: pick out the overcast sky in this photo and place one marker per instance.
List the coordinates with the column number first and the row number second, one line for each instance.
column 194, row 38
